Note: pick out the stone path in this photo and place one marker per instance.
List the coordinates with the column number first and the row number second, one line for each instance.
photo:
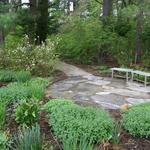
column 106, row 92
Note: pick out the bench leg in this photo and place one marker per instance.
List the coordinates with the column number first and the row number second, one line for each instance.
column 127, row 76
column 112, row 75
column 145, row 81
column 132, row 77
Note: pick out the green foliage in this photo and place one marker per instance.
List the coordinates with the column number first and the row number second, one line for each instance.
column 14, row 92
column 2, row 114
column 73, row 144
column 37, row 87
column 28, row 139
column 69, row 120
column 87, row 40
column 136, row 120
column 7, row 20
column 40, row 59
column 103, row 69
column 26, row 112
column 6, row 75
column 116, row 134
column 9, row 75
column 3, row 141
column 27, row 90
column 40, row 81
column 22, row 76
column 12, row 41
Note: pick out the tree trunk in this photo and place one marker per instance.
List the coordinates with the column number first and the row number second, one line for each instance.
column 33, row 7
column 2, row 37
column 138, row 45
column 42, row 21
column 107, row 8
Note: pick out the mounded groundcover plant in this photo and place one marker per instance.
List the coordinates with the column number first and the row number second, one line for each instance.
column 136, row 120
column 69, row 120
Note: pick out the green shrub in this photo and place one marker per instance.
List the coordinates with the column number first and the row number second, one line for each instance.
column 37, row 59
column 37, row 87
column 28, row 139
column 73, row 144
column 22, row 76
column 136, row 120
column 2, row 114
column 10, row 75
column 18, row 91
column 14, row 92
column 3, row 141
column 26, row 112
column 69, row 120
column 6, row 75
column 116, row 133
column 40, row 81
column 103, row 69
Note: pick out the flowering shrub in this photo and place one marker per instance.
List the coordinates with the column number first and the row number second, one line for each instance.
column 41, row 58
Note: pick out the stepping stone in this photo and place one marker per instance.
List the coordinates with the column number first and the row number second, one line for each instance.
column 137, row 101
column 103, row 93
column 108, row 105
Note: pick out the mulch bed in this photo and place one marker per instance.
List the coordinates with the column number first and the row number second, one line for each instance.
column 2, row 84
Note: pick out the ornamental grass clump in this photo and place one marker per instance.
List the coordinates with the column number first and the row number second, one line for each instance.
column 2, row 114
column 28, row 139
column 69, row 120
column 10, row 75
column 136, row 120
column 6, row 75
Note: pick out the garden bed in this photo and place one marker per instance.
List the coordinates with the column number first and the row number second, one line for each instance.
column 127, row 141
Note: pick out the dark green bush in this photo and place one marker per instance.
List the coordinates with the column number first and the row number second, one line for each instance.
column 69, row 120
column 136, row 120
column 26, row 112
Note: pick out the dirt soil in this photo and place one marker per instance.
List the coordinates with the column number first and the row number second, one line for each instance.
column 3, row 84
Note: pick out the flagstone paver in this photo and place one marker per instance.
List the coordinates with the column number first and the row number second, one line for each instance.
column 106, row 92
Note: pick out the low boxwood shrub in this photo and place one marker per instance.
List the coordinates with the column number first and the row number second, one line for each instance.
column 69, row 120
column 136, row 120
